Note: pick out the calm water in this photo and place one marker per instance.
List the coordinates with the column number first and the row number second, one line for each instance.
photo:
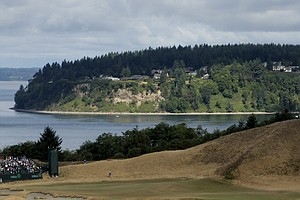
column 17, row 127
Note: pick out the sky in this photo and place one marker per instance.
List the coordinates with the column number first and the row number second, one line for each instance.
column 36, row 32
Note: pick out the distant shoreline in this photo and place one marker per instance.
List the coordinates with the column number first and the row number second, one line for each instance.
column 129, row 113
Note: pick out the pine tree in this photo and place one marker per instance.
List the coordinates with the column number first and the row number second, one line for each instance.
column 48, row 141
column 251, row 122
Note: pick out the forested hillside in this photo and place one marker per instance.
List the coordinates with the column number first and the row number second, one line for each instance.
column 203, row 78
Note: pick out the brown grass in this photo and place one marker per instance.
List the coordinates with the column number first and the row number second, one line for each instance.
column 264, row 158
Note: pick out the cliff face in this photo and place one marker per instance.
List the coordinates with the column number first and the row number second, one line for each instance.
column 126, row 96
column 87, row 97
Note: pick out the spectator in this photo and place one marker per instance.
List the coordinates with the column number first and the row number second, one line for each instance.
column 15, row 165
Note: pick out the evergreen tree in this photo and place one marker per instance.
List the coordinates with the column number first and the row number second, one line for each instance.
column 126, row 72
column 48, row 141
column 251, row 122
column 20, row 97
column 163, row 76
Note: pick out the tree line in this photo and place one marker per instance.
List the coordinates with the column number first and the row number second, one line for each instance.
column 236, row 87
column 133, row 142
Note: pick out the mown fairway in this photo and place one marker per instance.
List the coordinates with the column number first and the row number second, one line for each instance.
column 163, row 189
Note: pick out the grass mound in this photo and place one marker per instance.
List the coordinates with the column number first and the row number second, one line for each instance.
column 264, row 151
column 267, row 152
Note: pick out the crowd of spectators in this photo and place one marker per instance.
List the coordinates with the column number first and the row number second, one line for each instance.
column 16, row 165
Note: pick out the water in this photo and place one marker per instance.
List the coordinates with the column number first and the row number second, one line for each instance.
column 18, row 127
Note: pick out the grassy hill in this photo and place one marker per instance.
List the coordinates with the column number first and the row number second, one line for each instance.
column 265, row 158
column 257, row 154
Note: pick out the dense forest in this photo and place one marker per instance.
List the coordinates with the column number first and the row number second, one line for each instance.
column 240, row 78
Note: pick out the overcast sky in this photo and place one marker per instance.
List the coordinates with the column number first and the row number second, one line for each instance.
column 36, row 32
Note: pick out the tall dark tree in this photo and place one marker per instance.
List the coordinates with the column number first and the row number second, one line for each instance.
column 163, row 76
column 48, row 141
column 20, row 97
column 251, row 122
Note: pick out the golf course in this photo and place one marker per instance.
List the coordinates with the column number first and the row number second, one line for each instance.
column 261, row 163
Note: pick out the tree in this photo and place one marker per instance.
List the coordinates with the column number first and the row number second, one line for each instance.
column 22, row 149
column 226, row 79
column 179, row 74
column 251, row 122
column 108, row 146
column 200, row 131
column 48, row 141
column 208, row 89
column 126, row 72
column 229, row 107
column 87, row 151
column 136, row 142
column 194, row 97
column 164, row 76
column 20, row 97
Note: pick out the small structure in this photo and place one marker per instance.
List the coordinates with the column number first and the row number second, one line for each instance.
column 277, row 66
column 138, row 77
column 205, row 76
column 112, row 78
column 53, row 163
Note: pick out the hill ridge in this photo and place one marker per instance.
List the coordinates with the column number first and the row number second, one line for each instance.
column 270, row 153
column 259, row 156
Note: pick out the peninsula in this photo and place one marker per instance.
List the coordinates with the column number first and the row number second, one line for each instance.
column 243, row 78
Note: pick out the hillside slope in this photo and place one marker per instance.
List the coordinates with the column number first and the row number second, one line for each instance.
column 269, row 150
column 267, row 156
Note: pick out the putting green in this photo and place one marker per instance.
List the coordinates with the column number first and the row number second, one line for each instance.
column 163, row 189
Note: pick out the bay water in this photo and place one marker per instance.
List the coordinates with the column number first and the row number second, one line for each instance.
column 19, row 127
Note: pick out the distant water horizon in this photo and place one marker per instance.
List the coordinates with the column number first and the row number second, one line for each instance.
column 19, row 127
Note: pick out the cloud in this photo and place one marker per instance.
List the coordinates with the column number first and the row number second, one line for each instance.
column 34, row 32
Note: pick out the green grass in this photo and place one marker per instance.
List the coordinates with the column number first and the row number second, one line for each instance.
column 120, row 107
column 203, row 189
column 235, row 101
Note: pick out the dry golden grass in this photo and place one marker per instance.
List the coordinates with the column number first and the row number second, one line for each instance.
column 166, row 164
column 266, row 157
